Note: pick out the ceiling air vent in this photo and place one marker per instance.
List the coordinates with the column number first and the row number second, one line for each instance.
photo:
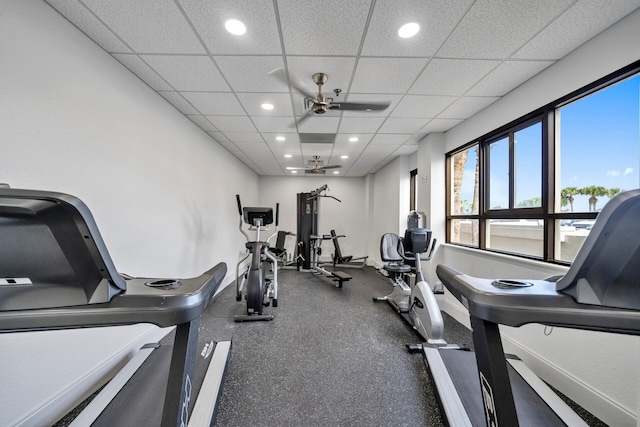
column 317, row 138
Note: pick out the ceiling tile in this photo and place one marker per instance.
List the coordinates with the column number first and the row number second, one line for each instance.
column 251, row 73
column 86, row 21
column 436, row 19
column 274, row 125
column 202, row 122
column 451, row 76
column 388, row 139
column 466, row 55
column 372, row 98
column 440, row 125
column 363, row 138
column 386, row 75
column 481, row 35
column 322, row 150
column 148, row 26
column 232, row 123
column 339, row 71
column 466, row 107
column 585, row 18
column 252, row 104
column 196, row 73
column 393, row 125
column 508, row 76
column 214, row 103
column 208, row 17
column 220, row 137
column 142, row 70
column 333, row 28
column 241, row 138
column 355, row 125
column 315, row 124
column 422, row 106
column 179, row 102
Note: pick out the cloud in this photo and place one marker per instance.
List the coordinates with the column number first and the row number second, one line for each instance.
column 628, row 171
column 613, row 173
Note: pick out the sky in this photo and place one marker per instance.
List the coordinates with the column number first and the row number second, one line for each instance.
column 599, row 145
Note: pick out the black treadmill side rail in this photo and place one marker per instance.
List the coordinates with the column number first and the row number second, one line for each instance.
column 597, row 293
column 138, row 304
column 67, row 226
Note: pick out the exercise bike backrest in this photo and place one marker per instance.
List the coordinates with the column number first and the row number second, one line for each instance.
column 390, row 248
column 415, row 243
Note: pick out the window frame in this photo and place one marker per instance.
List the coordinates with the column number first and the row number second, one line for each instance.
column 546, row 115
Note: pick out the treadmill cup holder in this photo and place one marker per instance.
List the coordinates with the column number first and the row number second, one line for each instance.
column 164, row 284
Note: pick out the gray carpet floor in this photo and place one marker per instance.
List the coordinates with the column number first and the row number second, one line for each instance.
column 331, row 357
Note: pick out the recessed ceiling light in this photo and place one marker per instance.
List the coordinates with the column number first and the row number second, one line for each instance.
column 294, row 171
column 280, row 138
column 235, row 27
column 353, row 139
column 288, row 156
column 344, row 157
column 408, row 30
column 267, row 106
column 336, row 172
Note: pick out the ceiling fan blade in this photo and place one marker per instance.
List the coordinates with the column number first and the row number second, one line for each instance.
column 279, row 74
column 330, row 167
column 356, row 106
column 305, row 117
column 295, row 168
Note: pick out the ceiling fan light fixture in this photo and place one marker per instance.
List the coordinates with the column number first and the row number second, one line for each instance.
column 408, row 30
column 235, row 27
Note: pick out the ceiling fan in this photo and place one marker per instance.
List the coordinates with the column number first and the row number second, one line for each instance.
column 319, row 104
column 315, row 167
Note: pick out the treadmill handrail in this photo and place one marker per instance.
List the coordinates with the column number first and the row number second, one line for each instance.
column 139, row 304
column 540, row 303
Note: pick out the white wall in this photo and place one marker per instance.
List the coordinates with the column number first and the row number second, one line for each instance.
column 72, row 119
column 388, row 204
column 347, row 217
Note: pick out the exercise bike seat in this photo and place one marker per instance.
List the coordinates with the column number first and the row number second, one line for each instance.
column 389, row 253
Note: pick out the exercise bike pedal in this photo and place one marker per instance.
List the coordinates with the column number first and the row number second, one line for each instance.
column 275, row 302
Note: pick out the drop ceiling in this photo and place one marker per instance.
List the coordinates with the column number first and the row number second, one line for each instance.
column 467, row 54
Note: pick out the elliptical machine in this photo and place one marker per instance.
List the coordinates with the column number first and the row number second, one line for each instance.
column 417, row 305
column 260, row 290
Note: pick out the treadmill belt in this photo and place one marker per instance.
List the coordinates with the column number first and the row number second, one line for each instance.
column 463, row 370
column 140, row 402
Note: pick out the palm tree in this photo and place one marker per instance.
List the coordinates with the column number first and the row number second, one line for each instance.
column 566, row 196
column 594, row 191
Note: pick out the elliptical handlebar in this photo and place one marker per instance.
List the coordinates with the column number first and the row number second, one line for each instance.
column 240, row 221
column 239, row 204
column 277, row 220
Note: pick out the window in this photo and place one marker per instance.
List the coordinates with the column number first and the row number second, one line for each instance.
column 534, row 187
column 463, row 200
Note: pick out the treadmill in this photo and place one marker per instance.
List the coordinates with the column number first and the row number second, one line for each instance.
column 600, row 292
column 56, row 273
